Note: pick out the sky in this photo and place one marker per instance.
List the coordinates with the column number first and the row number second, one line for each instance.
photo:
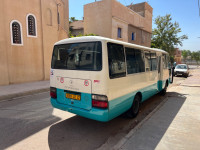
column 185, row 12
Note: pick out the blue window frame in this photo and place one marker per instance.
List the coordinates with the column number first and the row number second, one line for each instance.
column 133, row 36
column 119, row 34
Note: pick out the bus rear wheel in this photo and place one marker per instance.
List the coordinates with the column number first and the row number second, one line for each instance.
column 164, row 91
column 134, row 110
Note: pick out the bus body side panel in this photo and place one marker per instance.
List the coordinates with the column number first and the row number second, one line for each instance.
column 160, row 85
column 121, row 104
column 165, row 77
column 121, row 91
column 152, row 89
column 149, row 91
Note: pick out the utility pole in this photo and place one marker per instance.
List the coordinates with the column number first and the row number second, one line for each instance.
column 199, row 8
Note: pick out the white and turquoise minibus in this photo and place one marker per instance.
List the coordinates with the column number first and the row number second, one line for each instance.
column 100, row 78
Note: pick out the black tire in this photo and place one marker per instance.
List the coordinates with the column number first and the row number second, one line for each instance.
column 164, row 91
column 134, row 110
column 186, row 75
column 174, row 74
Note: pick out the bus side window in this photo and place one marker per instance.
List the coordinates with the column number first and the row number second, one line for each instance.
column 147, row 61
column 134, row 61
column 154, row 63
column 116, row 60
column 164, row 59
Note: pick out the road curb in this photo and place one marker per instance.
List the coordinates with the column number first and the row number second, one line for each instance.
column 128, row 136
column 24, row 93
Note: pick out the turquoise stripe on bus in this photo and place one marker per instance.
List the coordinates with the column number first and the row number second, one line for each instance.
column 122, row 104
column 160, row 85
column 94, row 113
column 117, row 106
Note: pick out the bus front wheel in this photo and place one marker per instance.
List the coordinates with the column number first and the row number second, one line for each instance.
column 134, row 110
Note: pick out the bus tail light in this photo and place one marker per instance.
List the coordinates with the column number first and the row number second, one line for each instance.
column 99, row 101
column 53, row 92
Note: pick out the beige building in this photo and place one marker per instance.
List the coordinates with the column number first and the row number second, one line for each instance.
column 177, row 56
column 111, row 19
column 28, row 31
column 76, row 28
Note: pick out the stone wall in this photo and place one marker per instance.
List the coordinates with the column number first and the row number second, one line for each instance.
column 31, row 60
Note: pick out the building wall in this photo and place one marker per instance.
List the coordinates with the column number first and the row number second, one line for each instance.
column 77, row 27
column 177, row 56
column 4, row 78
column 141, row 37
column 23, row 62
column 31, row 60
column 139, row 23
column 133, row 18
column 138, row 35
column 98, row 19
column 53, row 33
column 104, row 17
column 117, row 23
column 145, row 10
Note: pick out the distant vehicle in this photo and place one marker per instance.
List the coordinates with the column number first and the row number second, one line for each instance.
column 181, row 69
column 101, row 78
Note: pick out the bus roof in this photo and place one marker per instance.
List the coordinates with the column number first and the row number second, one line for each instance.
column 99, row 38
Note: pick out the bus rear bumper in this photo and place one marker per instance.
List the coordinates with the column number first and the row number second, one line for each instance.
column 94, row 113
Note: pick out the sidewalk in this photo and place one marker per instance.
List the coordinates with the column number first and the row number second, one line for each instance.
column 174, row 125
column 18, row 90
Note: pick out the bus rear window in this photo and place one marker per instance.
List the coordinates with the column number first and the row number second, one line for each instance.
column 78, row 56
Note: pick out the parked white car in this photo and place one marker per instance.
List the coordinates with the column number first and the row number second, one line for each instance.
column 181, row 69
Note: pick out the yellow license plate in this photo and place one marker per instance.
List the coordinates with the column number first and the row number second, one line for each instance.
column 73, row 96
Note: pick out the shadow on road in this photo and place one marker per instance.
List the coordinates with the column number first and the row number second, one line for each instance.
column 152, row 131
column 80, row 133
column 22, row 118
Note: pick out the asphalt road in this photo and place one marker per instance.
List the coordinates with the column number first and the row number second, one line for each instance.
column 32, row 123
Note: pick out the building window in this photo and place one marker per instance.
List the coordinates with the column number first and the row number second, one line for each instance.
column 119, row 33
column 31, row 25
column 133, row 36
column 16, row 33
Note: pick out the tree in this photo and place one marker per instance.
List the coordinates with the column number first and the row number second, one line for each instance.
column 196, row 56
column 166, row 35
column 185, row 54
column 72, row 19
